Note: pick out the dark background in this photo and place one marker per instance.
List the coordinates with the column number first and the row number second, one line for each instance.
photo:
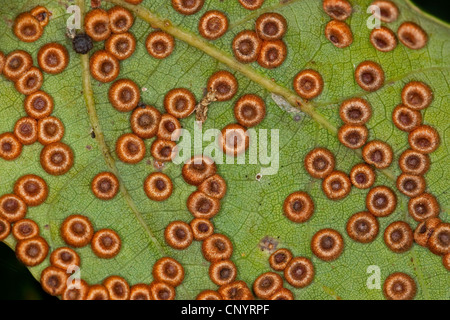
column 16, row 281
column 438, row 8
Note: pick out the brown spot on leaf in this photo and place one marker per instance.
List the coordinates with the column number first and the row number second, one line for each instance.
column 268, row 244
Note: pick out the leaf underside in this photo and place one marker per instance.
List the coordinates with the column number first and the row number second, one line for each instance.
column 251, row 209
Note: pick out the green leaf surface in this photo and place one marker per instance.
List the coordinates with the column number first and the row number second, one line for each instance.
column 252, row 208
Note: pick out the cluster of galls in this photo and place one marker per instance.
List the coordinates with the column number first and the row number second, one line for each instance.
column 381, row 201
column 297, row 271
column 326, row 244
column 56, row 157
column 31, row 249
column 212, row 25
column 29, row 191
column 410, row 34
column 204, row 204
column 146, row 122
column 111, row 26
column 167, row 274
column 369, row 75
column 383, row 38
column 337, row 31
column 77, row 231
column 320, row 164
column 423, row 207
column 423, row 139
column 265, row 44
column 363, row 227
column 29, row 26
column 249, row 111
